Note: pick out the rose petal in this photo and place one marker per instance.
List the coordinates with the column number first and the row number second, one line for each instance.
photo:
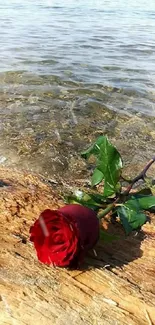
column 86, row 221
column 61, row 245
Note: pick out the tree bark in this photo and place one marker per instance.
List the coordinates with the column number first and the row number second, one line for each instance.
column 116, row 285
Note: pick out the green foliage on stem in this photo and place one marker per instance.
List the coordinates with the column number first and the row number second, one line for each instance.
column 89, row 200
column 108, row 165
column 131, row 215
column 97, row 177
column 129, row 208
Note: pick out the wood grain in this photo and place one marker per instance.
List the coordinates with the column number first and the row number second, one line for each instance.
column 116, row 287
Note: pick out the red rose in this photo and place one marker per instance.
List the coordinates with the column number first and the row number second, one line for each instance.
column 62, row 237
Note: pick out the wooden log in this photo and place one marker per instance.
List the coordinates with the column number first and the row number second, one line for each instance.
column 116, row 286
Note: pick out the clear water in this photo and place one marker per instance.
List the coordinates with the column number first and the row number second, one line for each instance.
column 64, row 61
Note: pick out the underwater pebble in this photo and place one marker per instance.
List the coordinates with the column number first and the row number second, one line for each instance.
column 2, row 159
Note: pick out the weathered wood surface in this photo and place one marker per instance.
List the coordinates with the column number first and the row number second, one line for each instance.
column 115, row 287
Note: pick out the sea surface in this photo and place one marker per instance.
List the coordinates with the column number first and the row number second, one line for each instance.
column 63, row 65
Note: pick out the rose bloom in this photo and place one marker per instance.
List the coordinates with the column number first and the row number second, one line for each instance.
column 62, row 237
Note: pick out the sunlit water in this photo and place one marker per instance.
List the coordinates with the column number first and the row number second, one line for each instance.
column 64, row 61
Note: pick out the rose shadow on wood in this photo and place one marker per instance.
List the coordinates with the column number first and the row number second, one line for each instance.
column 118, row 253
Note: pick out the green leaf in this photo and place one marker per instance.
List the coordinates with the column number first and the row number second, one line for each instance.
column 94, row 149
column 131, row 215
column 147, row 203
column 110, row 164
column 106, row 237
column 97, row 177
column 99, row 198
column 92, row 201
column 124, row 216
column 133, row 204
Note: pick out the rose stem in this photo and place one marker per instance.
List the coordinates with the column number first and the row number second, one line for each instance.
column 142, row 175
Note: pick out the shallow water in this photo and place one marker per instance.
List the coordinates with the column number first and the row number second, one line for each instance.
column 69, row 70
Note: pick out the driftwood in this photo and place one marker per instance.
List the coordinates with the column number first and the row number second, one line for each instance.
column 115, row 286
